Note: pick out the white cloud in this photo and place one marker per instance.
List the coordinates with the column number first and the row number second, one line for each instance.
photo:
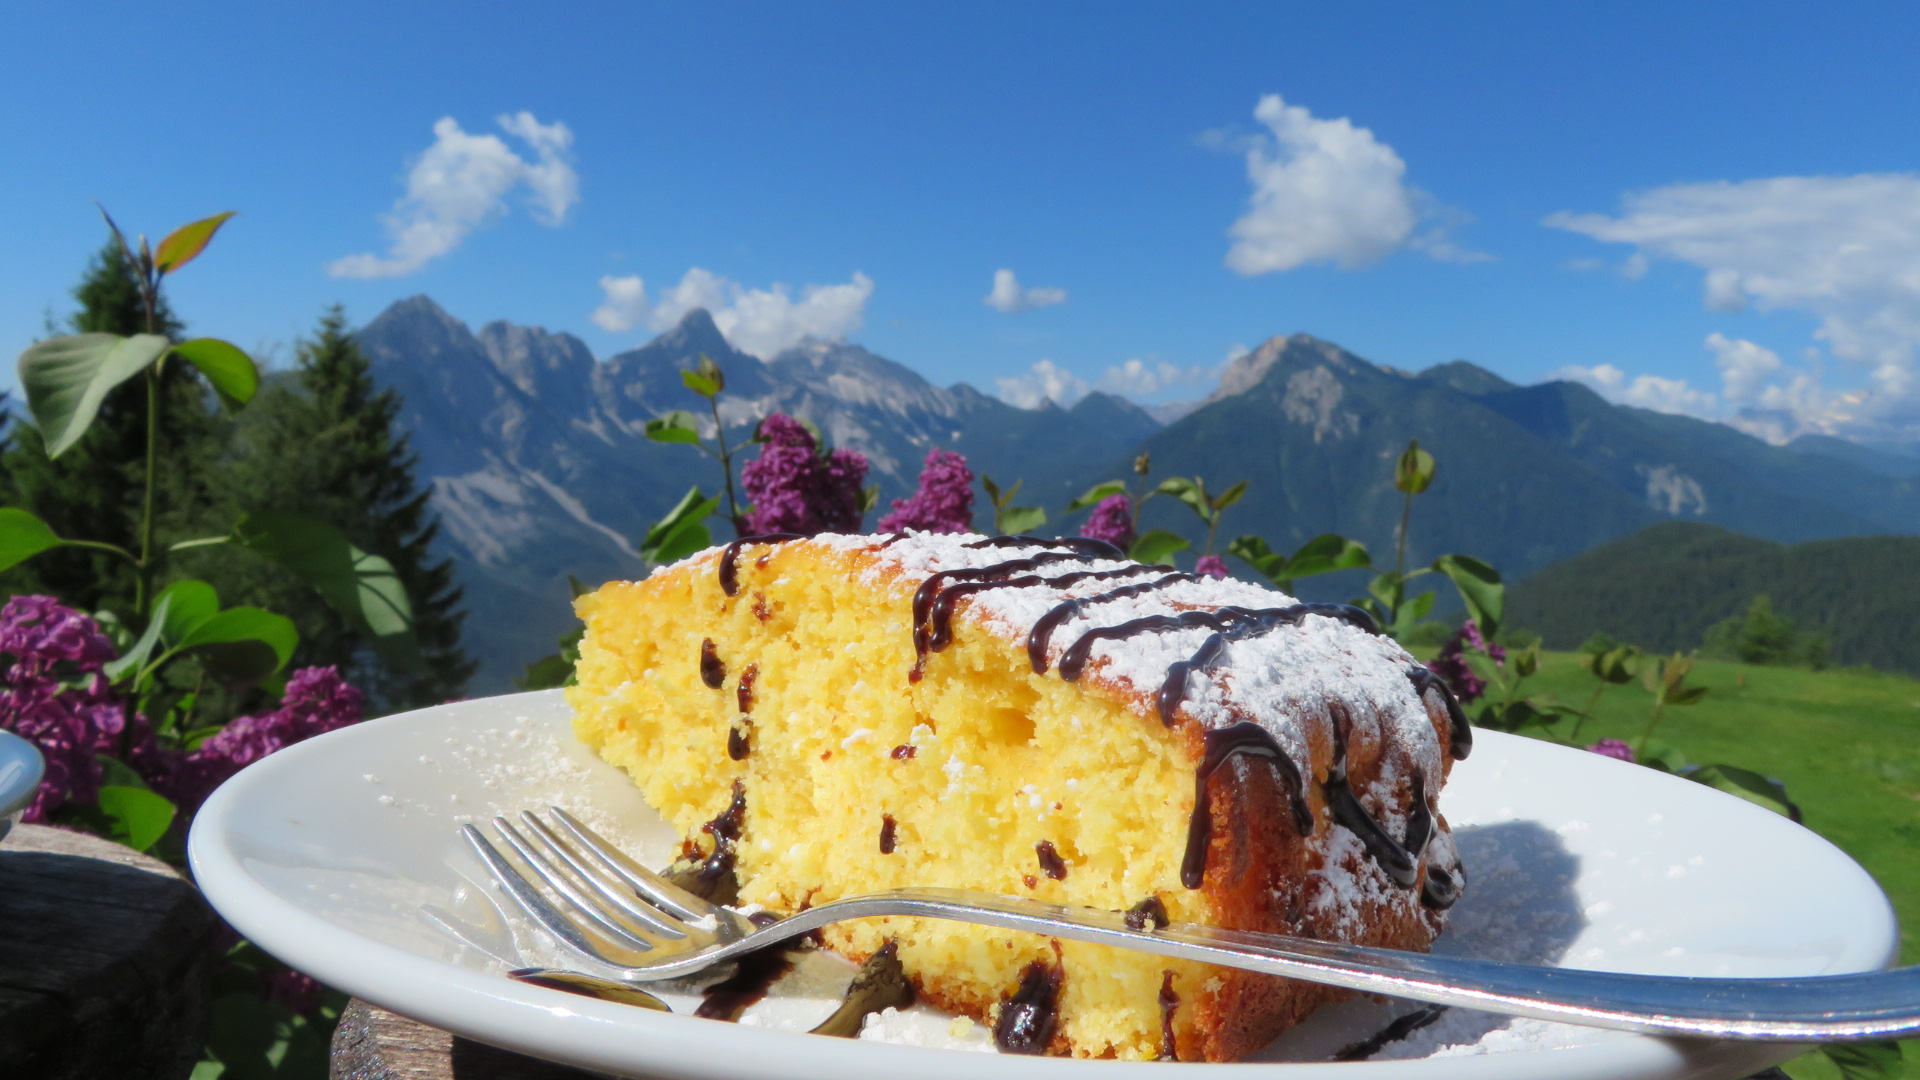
column 1134, row 378
column 762, row 322
column 1045, row 381
column 1644, row 391
column 625, row 306
column 1744, row 366
column 1843, row 249
column 461, row 182
column 1324, row 191
column 1009, row 298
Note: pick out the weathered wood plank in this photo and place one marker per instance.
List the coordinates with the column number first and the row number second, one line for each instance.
column 374, row 1044
column 104, row 967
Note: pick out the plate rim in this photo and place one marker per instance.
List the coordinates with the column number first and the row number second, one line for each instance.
column 602, row 1034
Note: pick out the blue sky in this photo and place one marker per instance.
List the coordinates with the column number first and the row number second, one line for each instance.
column 1709, row 208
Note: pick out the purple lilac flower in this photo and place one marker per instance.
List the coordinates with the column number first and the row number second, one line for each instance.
column 794, row 489
column 1112, row 521
column 944, row 501
column 1452, row 667
column 1475, row 640
column 1613, row 748
column 54, row 695
column 317, row 700
column 1211, row 565
column 293, row 991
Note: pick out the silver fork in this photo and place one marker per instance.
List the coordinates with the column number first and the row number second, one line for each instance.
column 637, row 927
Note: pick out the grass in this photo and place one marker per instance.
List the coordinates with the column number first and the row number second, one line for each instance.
column 1846, row 744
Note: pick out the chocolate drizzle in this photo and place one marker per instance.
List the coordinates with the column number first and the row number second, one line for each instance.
column 1228, row 624
column 1027, row 1018
column 758, row 971
column 1398, row 863
column 713, row 672
column 1148, row 914
column 1051, row 863
column 930, row 592
column 1041, row 636
column 1085, row 546
column 887, row 834
column 1248, row 738
column 1394, row 1032
column 1169, row 1004
column 904, row 752
column 729, row 572
column 1460, row 738
column 709, row 881
column 739, row 739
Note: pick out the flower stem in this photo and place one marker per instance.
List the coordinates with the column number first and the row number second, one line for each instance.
column 1400, row 548
column 726, row 468
column 1574, row 735
column 144, row 582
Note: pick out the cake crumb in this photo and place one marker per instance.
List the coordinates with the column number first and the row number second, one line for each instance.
column 960, row 1028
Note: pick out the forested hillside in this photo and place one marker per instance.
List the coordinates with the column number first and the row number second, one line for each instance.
column 1662, row 587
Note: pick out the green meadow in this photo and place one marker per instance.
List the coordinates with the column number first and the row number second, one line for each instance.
column 1845, row 742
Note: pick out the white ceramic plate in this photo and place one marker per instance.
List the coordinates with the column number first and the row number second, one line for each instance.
column 340, row 856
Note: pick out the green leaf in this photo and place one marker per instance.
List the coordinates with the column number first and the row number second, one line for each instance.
column 683, row 531
column 1749, row 785
column 242, row 645
column 1865, row 1060
column 1191, row 492
column 232, row 372
column 361, row 586
column 1414, row 470
column 577, row 588
column 675, row 427
column 22, row 536
column 139, row 817
column 188, row 604
column 869, row 498
column 1326, row 553
column 1659, row 755
column 1685, row 695
column 1255, row 552
column 187, row 241
column 547, row 673
column 1156, row 546
column 66, row 379
column 135, row 658
column 1020, row 520
column 1480, row 588
column 1230, row 496
column 1417, row 608
column 1097, row 492
column 700, row 384
column 993, row 490
column 1527, row 661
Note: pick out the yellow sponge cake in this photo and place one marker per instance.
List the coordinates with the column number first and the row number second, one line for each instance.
column 1041, row 718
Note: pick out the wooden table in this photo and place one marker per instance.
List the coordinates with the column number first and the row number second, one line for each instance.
column 374, row 1044
column 104, row 961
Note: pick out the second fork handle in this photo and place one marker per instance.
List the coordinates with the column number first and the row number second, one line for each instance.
column 1823, row 1008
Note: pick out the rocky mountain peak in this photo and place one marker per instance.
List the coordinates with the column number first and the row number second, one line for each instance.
column 423, row 330
column 1295, row 350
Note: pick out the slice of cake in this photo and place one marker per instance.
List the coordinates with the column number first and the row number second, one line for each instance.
column 839, row 715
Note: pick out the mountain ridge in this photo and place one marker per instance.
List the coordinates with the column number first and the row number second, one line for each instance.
column 540, row 468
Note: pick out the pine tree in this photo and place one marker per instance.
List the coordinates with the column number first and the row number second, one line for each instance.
column 320, row 439
column 94, row 489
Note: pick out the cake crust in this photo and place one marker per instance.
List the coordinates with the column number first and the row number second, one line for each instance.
column 1274, row 715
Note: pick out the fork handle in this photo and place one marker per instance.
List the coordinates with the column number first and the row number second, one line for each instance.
column 1822, row 1008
